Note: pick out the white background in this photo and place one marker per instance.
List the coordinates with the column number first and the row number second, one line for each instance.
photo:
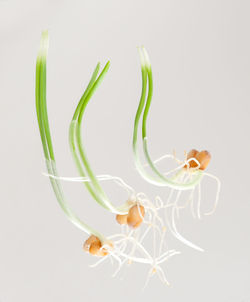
column 200, row 54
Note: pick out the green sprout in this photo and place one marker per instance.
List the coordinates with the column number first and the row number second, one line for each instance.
column 145, row 101
column 42, row 117
column 79, row 153
column 189, row 173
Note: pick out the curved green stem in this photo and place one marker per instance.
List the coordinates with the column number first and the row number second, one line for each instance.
column 90, row 85
column 82, row 153
column 73, row 139
column 142, row 101
column 78, row 163
column 159, row 179
column 43, row 123
column 138, row 163
column 76, row 144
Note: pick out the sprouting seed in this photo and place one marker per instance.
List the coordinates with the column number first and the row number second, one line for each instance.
column 179, row 178
column 187, row 175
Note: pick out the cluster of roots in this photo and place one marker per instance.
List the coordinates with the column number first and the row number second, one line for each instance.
column 145, row 244
column 154, row 218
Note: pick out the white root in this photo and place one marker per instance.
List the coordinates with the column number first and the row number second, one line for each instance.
column 217, row 193
column 103, row 177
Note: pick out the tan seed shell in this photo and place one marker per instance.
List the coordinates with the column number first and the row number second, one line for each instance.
column 121, row 219
column 135, row 215
column 204, row 158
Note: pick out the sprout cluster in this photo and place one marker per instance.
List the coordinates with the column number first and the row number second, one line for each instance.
column 145, row 225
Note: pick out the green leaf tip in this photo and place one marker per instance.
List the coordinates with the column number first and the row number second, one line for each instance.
column 44, row 45
column 144, row 57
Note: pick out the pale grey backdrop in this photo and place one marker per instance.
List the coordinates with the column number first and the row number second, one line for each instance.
column 200, row 52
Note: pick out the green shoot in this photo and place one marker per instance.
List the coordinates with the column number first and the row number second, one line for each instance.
column 158, row 179
column 78, row 151
column 73, row 139
column 42, row 117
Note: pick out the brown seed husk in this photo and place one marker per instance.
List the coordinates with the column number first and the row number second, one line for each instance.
column 88, row 242
column 93, row 245
column 135, row 215
column 121, row 219
column 204, row 158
